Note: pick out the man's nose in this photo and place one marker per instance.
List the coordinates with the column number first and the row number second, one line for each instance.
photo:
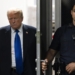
column 13, row 20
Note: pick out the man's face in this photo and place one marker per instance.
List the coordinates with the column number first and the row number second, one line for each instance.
column 73, row 13
column 15, row 20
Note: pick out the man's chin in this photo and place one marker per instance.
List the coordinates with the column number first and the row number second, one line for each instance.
column 14, row 27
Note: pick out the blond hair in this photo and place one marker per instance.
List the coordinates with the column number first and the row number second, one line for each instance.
column 15, row 11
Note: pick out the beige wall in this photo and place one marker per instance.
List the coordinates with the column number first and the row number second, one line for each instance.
column 32, row 16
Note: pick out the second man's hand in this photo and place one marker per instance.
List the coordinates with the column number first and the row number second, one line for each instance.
column 44, row 65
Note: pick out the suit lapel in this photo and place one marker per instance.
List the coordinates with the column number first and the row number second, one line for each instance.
column 8, row 43
column 25, row 40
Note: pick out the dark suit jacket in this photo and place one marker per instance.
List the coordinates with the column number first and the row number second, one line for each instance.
column 29, row 50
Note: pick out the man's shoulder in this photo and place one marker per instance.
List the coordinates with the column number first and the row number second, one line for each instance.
column 62, row 28
column 29, row 27
column 4, row 28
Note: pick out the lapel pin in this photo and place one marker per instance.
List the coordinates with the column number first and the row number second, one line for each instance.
column 26, row 32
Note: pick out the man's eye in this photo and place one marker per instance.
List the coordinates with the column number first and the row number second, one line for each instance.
column 10, row 18
column 15, row 18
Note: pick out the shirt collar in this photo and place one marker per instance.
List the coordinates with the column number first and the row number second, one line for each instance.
column 20, row 29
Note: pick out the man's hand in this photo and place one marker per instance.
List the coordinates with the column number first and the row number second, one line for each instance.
column 70, row 67
column 44, row 65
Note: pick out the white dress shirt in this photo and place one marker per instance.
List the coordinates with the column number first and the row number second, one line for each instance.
column 12, row 43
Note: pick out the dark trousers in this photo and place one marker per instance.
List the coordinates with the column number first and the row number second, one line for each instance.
column 13, row 72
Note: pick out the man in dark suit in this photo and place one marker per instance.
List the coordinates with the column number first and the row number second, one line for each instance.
column 7, row 49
